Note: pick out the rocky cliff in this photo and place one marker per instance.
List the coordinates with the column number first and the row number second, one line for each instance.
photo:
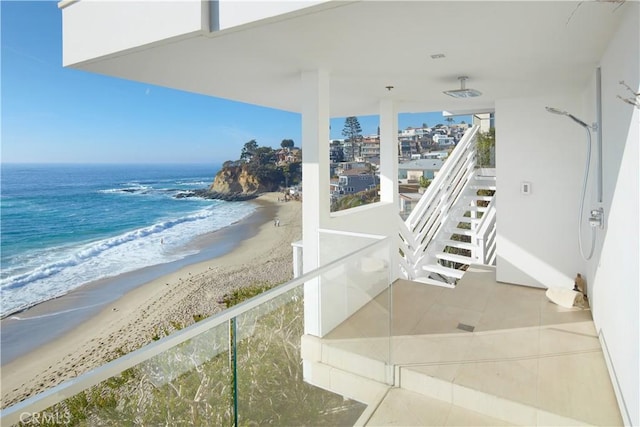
column 239, row 180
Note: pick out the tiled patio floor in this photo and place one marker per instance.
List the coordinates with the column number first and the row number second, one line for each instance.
column 526, row 361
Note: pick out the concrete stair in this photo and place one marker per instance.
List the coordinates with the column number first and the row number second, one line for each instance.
column 482, row 402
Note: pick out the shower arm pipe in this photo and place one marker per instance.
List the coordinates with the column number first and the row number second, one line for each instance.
column 581, row 210
column 599, row 133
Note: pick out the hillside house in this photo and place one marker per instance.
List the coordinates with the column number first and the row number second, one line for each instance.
column 413, row 170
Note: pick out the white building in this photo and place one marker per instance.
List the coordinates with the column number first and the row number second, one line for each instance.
column 568, row 55
column 435, row 155
column 443, row 140
column 413, row 170
column 408, row 133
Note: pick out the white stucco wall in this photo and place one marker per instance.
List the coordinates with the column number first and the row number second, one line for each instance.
column 95, row 28
column 232, row 13
column 537, row 242
column 330, row 300
column 537, row 234
column 614, row 272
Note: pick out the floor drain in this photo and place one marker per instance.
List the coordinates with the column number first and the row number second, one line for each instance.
column 467, row 328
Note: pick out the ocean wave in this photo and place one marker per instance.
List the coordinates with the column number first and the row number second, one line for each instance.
column 200, row 183
column 159, row 185
column 63, row 269
column 55, row 313
column 142, row 190
column 127, row 190
column 95, row 249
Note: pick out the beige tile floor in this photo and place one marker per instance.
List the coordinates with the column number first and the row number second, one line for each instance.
column 406, row 408
column 537, row 357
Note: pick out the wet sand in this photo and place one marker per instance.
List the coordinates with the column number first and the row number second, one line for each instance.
column 119, row 315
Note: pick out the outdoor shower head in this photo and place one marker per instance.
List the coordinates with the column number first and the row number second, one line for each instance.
column 556, row 111
column 564, row 113
column 463, row 92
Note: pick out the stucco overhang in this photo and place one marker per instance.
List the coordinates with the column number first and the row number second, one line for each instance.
column 508, row 49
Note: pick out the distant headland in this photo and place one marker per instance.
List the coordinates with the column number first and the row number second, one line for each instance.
column 259, row 170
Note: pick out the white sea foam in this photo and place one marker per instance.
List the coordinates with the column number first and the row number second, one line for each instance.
column 63, row 269
column 137, row 189
column 44, row 316
column 194, row 183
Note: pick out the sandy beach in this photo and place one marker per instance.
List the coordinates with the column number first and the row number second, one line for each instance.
column 155, row 308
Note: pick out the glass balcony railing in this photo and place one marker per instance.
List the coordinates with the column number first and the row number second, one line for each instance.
column 357, row 283
column 242, row 366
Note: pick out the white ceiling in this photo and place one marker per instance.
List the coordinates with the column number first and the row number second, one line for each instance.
column 508, row 49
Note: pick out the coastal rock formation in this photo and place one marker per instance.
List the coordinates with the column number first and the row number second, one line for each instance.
column 239, row 179
column 236, row 182
column 259, row 170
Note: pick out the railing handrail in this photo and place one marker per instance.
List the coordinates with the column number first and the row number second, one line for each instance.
column 435, row 213
column 351, row 234
column 483, row 237
column 90, row 378
column 446, row 204
column 487, row 219
column 407, row 245
column 437, row 183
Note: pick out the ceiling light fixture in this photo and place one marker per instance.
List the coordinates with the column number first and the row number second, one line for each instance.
column 463, row 92
column 437, row 56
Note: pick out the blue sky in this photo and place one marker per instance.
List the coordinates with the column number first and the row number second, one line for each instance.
column 55, row 115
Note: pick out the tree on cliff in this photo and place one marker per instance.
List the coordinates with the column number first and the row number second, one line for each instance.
column 287, row 143
column 248, row 150
column 263, row 156
column 261, row 163
column 292, row 173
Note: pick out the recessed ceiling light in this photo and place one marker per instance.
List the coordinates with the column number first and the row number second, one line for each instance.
column 463, row 92
column 437, row 56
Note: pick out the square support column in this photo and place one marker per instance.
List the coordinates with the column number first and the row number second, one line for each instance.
column 388, row 152
column 315, row 184
column 389, row 172
column 315, row 162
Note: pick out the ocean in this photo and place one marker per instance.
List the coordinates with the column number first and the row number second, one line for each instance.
column 63, row 226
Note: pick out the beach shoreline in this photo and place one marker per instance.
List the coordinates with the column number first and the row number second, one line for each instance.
column 252, row 251
column 50, row 319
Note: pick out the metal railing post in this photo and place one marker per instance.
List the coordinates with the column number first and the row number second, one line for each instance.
column 234, row 367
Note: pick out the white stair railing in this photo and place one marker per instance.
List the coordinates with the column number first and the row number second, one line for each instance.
column 485, row 237
column 435, row 206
